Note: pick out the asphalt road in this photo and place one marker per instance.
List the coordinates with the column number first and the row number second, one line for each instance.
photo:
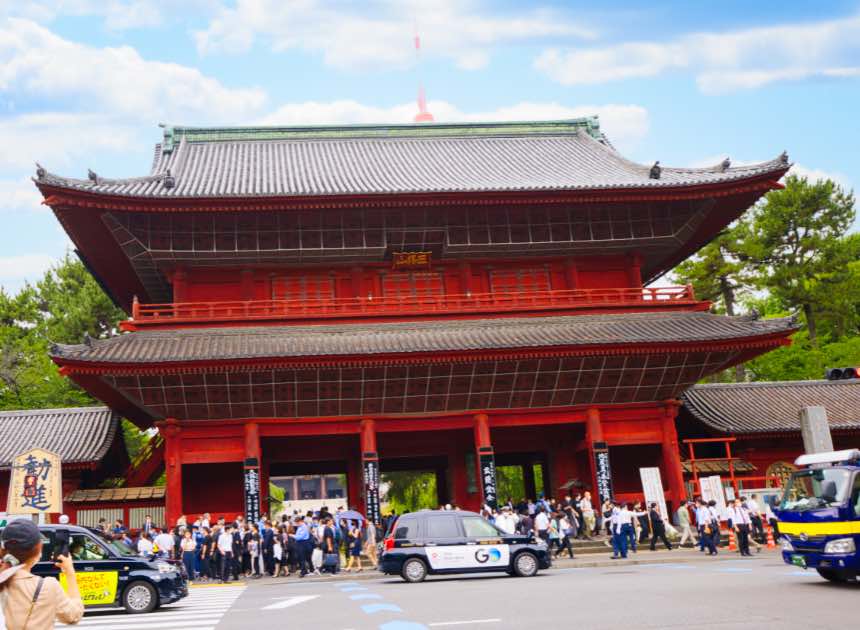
column 758, row 592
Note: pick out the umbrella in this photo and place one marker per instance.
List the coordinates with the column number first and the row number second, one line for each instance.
column 350, row 515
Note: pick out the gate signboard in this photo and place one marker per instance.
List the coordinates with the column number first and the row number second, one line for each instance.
column 371, row 491
column 652, row 487
column 488, row 479
column 603, row 472
column 35, row 483
column 252, row 490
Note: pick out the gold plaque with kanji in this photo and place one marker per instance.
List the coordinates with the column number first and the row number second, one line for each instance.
column 35, row 483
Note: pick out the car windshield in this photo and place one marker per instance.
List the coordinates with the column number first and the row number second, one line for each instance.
column 117, row 546
column 815, row 489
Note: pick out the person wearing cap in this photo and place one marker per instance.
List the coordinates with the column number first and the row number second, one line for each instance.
column 35, row 603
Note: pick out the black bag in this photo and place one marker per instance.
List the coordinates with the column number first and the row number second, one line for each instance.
column 330, row 560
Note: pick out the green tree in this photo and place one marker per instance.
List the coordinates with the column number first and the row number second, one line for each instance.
column 718, row 275
column 794, row 237
column 410, row 490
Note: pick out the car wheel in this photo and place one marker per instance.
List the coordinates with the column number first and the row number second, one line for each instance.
column 414, row 570
column 835, row 575
column 139, row 597
column 525, row 564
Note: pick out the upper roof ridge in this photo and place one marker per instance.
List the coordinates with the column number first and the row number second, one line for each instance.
column 174, row 133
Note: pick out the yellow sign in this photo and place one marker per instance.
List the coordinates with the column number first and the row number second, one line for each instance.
column 411, row 260
column 35, row 485
column 97, row 588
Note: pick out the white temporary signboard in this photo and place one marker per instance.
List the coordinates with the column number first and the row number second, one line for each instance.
column 712, row 490
column 652, row 487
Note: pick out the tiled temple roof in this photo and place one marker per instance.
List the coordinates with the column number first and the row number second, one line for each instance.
column 422, row 336
column 569, row 155
column 81, row 435
column 743, row 408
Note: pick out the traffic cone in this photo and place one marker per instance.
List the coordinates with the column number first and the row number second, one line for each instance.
column 732, row 544
column 771, row 543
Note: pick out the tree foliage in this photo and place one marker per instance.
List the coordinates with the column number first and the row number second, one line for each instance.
column 62, row 307
column 793, row 253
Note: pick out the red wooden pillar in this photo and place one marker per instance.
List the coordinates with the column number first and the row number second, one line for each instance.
column 459, row 478
column 173, row 469
column 370, row 470
column 486, row 461
column 672, row 455
column 593, row 436
column 180, row 285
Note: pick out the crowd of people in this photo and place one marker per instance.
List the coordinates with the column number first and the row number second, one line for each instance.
column 327, row 542
column 225, row 550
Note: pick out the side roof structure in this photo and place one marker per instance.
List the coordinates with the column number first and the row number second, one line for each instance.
column 81, row 436
column 564, row 155
column 774, row 407
column 208, row 344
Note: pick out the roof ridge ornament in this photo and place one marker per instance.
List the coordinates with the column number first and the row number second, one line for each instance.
column 655, row 171
column 93, row 177
column 725, row 165
column 41, row 173
column 783, row 157
column 168, row 181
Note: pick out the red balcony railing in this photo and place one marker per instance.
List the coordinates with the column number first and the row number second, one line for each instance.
column 410, row 305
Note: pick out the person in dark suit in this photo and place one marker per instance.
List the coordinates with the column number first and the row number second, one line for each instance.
column 658, row 527
column 268, row 544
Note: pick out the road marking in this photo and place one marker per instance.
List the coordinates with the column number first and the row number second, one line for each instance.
column 375, row 608
column 202, row 610
column 351, row 589
column 733, row 570
column 361, row 596
column 402, row 625
column 462, row 623
column 290, row 601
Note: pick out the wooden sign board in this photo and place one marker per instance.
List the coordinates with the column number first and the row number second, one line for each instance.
column 411, row 260
column 36, row 484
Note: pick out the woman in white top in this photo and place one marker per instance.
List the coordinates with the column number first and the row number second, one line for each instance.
column 144, row 545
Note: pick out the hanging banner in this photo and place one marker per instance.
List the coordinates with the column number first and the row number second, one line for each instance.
column 252, row 490
column 603, row 472
column 371, row 491
column 652, row 487
column 35, row 483
column 488, row 479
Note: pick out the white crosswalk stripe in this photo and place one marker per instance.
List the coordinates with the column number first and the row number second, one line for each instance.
column 202, row 610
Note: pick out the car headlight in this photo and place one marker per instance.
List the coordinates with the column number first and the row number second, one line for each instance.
column 164, row 567
column 840, row 545
column 786, row 544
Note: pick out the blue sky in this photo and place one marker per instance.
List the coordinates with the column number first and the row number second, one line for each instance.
column 84, row 83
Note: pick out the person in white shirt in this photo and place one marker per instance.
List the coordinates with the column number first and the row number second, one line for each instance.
column 587, row 514
column 756, row 515
column 164, row 541
column 144, row 545
column 716, row 517
column 740, row 518
column 506, row 521
column 542, row 524
column 225, row 546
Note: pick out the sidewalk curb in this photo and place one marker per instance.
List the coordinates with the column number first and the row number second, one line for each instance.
column 655, row 557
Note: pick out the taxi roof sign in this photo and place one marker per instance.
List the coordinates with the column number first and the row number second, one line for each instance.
column 831, row 457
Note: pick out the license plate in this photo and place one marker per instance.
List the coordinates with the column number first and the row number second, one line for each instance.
column 798, row 561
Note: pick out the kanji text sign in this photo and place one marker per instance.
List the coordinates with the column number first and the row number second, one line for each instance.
column 36, row 485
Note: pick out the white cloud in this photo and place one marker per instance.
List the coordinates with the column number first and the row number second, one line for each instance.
column 58, row 139
column 721, row 62
column 815, row 174
column 350, row 34
column 34, row 61
column 118, row 15
column 625, row 125
column 15, row 270
column 19, row 195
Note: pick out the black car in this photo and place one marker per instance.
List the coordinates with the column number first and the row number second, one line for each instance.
column 110, row 574
column 444, row 541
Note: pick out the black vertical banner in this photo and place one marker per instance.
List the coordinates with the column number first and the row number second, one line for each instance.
column 603, row 472
column 252, row 490
column 371, row 491
column 488, row 479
